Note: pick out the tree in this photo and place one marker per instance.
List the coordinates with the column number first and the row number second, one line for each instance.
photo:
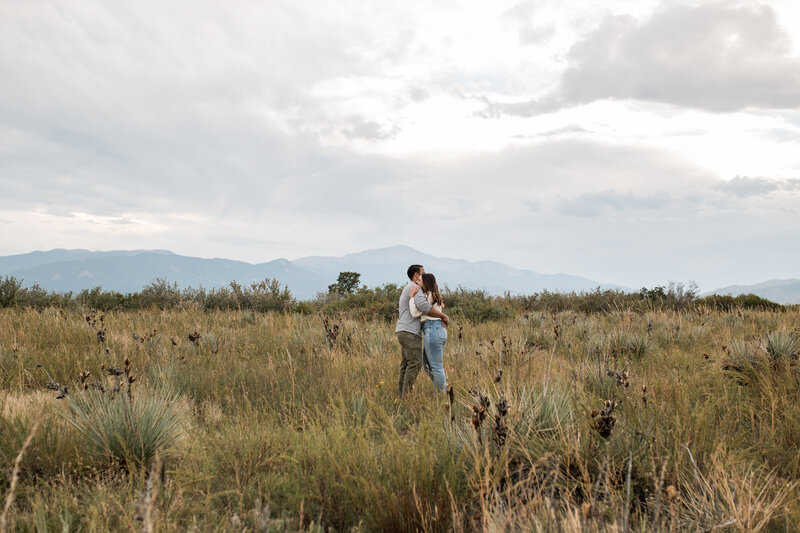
column 347, row 283
column 10, row 286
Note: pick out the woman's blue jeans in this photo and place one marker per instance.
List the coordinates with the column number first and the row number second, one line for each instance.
column 435, row 339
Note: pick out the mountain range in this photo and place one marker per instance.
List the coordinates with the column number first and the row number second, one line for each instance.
column 785, row 291
column 131, row 270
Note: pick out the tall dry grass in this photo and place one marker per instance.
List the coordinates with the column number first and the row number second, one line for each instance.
column 615, row 421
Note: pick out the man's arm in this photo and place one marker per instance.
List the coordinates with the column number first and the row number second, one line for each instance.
column 435, row 313
column 426, row 308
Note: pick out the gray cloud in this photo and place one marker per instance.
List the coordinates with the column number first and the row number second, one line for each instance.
column 113, row 108
column 721, row 57
column 569, row 129
column 360, row 128
column 522, row 17
column 744, row 187
column 418, row 94
column 596, row 204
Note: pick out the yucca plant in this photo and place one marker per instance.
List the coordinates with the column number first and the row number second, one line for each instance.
column 743, row 362
column 543, row 417
column 130, row 431
column 639, row 346
column 782, row 346
column 741, row 355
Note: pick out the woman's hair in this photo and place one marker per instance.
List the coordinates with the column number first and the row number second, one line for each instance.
column 429, row 286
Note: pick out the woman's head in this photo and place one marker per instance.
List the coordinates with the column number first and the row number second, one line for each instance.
column 429, row 286
column 429, row 283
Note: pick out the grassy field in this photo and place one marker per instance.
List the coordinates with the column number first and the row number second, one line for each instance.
column 655, row 421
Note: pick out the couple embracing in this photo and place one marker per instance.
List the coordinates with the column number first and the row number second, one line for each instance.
column 421, row 310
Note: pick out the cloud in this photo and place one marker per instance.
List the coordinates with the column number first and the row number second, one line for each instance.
column 595, row 204
column 615, row 213
column 522, row 17
column 567, row 130
column 745, row 187
column 264, row 130
column 360, row 128
column 162, row 107
column 719, row 57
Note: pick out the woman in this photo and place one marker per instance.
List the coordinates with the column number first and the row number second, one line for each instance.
column 435, row 332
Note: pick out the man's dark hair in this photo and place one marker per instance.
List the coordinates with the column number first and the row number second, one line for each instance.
column 412, row 270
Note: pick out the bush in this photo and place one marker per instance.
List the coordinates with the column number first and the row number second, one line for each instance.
column 130, row 431
column 160, row 294
column 379, row 302
column 742, row 360
column 262, row 296
column 726, row 302
column 596, row 301
column 97, row 298
column 475, row 305
column 782, row 346
column 9, row 287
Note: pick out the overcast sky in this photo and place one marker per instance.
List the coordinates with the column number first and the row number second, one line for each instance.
column 628, row 141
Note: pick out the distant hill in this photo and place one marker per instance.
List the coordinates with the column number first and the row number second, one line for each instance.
column 389, row 264
column 131, row 270
column 784, row 291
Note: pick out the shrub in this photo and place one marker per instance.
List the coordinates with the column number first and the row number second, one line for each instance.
column 261, row 296
column 130, row 431
column 304, row 308
column 743, row 361
column 9, row 287
column 379, row 302
column 97, row 298
column 782, row 346
column 629, row 345
column 596, row 301
column 267, row 295
column 161, row 294
column 726, row 302
column 475, row 305
column 675, row 296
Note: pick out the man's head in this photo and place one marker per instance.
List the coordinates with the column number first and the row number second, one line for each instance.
column 415, row 273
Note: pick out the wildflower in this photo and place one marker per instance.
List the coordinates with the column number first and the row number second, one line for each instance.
column 605, row 420
column 500, row 429
column 672, row 492
column 451, row 399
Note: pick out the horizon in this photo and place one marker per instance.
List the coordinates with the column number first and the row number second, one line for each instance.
column 618, row 285
column 630, row 142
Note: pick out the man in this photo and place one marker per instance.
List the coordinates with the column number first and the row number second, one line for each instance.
column 409, row 330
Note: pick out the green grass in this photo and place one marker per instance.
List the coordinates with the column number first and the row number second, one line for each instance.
column 271, row 426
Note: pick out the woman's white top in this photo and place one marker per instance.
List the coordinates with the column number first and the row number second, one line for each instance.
column 417, row 313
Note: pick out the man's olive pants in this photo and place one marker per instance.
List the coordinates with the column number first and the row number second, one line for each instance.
column 412, row 360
